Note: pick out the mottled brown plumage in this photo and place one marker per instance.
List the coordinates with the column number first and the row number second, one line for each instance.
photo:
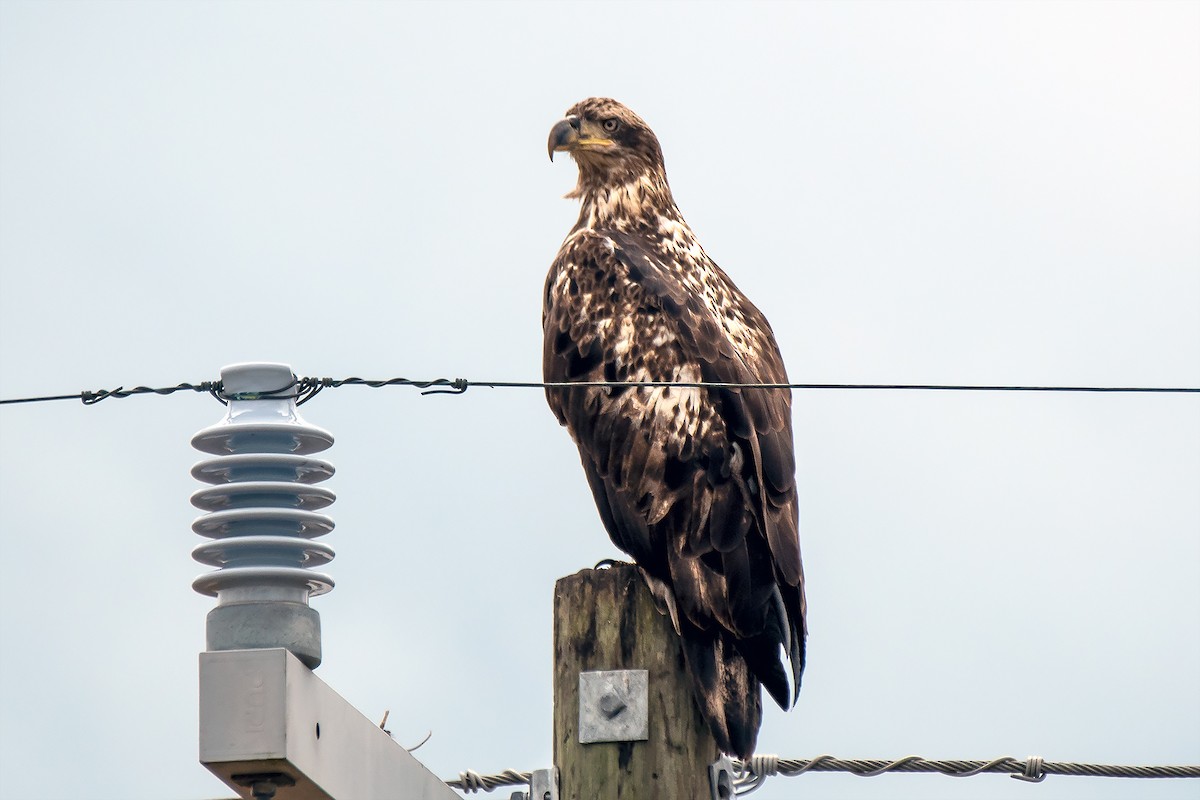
column 696, row 484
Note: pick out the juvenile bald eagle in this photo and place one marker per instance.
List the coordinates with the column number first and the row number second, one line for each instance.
column 696, row 484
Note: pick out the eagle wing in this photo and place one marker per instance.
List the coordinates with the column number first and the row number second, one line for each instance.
column 697, row 484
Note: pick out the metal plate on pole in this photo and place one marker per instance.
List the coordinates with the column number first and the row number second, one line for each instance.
column 614, row 706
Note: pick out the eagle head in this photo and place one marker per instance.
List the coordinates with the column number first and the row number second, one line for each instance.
column 601, row 133
column 611, row 145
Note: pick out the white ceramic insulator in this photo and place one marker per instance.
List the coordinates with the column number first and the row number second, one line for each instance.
column 262, row 503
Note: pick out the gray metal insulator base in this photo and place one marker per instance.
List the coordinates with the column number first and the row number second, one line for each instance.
column 247, row 626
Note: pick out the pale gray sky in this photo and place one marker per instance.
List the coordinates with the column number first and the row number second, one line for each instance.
column 960, row 193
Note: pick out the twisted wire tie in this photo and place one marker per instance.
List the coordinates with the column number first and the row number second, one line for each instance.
column 470, row 781
column 91, row 398
column 754, row 773
column 1033, row 771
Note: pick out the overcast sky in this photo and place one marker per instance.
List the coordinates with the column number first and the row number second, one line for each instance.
column 953, row 193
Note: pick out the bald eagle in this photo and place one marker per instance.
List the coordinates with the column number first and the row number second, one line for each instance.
column 696, row 484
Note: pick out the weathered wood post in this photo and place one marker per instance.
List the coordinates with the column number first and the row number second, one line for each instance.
column 606, row 620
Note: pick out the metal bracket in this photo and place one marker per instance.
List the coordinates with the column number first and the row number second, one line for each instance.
column 614, row 706
column 543, row 784
column 720, row 777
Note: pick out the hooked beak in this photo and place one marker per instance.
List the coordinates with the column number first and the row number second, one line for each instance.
column 567, row 135
column 563, row 136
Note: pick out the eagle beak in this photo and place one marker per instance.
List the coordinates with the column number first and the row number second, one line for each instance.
column 563, row 136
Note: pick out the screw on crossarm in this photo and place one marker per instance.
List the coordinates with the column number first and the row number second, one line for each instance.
column 264, row 785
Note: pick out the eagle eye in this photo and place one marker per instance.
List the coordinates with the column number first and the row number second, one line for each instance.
column 611, row 125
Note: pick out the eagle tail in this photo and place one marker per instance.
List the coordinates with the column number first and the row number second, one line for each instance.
column 783, row 635
column 762, row 656
column 726, row 689
column 792, row 604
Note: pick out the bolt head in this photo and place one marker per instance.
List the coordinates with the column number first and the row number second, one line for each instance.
column 611, row 704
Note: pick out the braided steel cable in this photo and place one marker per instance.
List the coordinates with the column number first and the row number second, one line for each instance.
column 470, row 781
column 753, row 772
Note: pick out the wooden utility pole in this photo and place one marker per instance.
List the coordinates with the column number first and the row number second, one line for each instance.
column 606, row 620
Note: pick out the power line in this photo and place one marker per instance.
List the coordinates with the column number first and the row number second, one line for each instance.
column 754, row 771
column 304, row 389
column 91, row 398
